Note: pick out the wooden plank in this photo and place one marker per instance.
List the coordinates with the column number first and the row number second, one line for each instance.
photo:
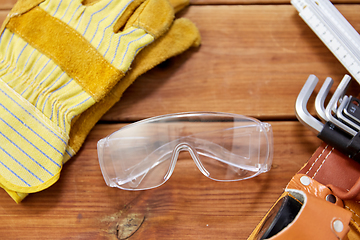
column 237, row 2
column 188, row 206
column 264, row 50
column 253, row 60
column 3, row 14
column 8, row 4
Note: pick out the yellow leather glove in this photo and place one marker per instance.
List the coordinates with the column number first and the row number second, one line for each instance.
column 57, row 59
column 182, row 35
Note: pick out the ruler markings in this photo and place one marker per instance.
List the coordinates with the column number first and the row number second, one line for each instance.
column 333, row 30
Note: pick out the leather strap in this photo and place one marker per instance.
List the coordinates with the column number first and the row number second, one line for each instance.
column 328, row 172
column 342, row 175
column 317, row 219
column 330, row 167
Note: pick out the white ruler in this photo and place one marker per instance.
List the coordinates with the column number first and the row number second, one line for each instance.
column 334, row 30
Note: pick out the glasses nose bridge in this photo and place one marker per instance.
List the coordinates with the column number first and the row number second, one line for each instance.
column 185, row 146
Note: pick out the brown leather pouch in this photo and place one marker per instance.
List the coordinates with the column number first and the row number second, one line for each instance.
column 316, row 219
column 333, row 180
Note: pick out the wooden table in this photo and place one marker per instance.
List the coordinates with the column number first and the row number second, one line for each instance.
column 254, row 59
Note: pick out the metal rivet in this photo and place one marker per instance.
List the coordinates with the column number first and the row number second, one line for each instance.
column 305, row 180
column 331, row 198
column 338, row 226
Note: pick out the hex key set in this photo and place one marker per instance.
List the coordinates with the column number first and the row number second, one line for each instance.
column 339, row 123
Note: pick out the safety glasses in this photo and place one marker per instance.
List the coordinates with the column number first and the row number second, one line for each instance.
column 225, row 147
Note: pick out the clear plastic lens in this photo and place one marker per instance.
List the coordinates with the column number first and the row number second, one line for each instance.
column 225, row 147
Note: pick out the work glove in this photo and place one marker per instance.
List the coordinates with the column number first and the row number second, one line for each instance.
column 58, row 58
column 181, row 36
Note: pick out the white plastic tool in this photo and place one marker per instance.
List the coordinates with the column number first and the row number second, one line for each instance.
column 334, row 30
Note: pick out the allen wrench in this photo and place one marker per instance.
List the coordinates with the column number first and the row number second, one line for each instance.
column 320, row 99
column 341, row 112
column 342, row 117
column 332, row 105
column 339, row 96
column 352, row 109
column 333, row 131
column 301, row 111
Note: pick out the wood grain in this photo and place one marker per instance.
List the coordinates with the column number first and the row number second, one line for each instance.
column 256, row 2
column 188, row 206
column 249, row 63
column 8, row 4
column 254, row 59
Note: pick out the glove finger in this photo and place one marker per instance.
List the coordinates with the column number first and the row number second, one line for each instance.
column 154, row 16
column 178, row 5
column 102, row 14
column 124, row 18
column 182, row 35
column 150, row 20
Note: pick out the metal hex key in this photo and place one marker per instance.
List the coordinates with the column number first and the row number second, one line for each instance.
column 340, row 113
column 333, row 131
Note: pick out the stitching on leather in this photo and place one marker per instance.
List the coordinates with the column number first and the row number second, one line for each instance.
column 312, row 165
column 323, row 162
column 354, row 213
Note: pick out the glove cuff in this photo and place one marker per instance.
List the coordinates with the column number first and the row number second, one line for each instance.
column 32, row 146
